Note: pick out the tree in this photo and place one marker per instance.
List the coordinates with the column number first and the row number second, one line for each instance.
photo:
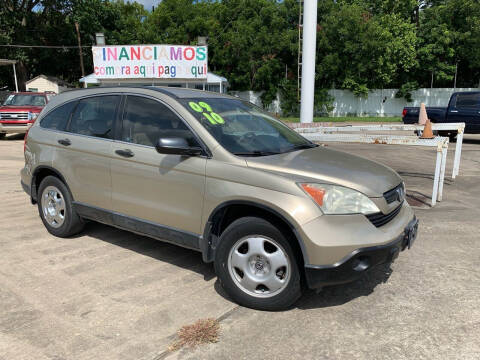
column 361, row 44
column 358, row 51
column 252, row 44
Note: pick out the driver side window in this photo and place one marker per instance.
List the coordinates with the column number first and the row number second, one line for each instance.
column 146, row 120
column 95, row 116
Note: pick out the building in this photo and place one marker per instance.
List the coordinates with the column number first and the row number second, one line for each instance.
column 43, row 83
column 213, row 82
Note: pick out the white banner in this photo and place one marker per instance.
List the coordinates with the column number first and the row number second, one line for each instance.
column 150, row 61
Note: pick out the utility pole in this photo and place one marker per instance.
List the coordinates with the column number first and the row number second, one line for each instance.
column 80, row 48
column 308, row 60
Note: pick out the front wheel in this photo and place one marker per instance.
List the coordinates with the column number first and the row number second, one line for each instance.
column 256, row 265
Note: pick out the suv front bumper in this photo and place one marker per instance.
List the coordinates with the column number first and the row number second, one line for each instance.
column 14, row 127
column 361, row 260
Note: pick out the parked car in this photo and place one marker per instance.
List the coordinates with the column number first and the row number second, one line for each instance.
column 20, row 110
column 462, row 107
column 216, row 174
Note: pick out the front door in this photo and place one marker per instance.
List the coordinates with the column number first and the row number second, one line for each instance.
column 162, row 192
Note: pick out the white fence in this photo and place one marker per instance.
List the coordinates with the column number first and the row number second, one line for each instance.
column 254, row 98
column 381, row 102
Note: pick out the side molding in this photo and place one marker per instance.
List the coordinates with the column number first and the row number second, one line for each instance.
column 142, row 227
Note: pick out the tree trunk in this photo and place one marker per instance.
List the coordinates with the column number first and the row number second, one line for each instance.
column 22, row 75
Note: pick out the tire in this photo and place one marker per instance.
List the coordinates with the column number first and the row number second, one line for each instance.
column 60, row 220
column 252, row 246
column 2, row 136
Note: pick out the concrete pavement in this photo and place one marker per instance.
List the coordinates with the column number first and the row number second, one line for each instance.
column 110, row 294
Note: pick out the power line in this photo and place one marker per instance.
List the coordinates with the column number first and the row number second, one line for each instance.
column 45, row 46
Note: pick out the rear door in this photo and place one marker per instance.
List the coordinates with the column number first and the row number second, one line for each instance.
column 84, row 150
column 166, row 191
column 465, row 107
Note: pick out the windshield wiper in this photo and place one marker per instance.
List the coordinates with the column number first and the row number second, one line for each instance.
column 302, row 146
column 256, row 153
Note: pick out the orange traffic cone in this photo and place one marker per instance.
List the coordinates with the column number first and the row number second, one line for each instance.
column 427, row 131
column 422, row 116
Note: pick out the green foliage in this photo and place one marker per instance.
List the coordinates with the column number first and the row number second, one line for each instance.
column 323, row 101
column 289, row 96
column 406, row 89
column 360, row 51
column 361, row 44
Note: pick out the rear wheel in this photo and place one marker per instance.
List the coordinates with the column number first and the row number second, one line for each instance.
column 56, row 210
column 257, row 266
column 2, row 136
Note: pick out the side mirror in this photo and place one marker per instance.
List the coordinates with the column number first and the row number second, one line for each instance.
column 176, row 146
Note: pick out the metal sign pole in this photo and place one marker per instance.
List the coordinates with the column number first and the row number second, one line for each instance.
column 15, row 76
column 308, row 60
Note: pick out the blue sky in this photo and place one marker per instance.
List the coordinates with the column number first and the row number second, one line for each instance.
column 147, row 4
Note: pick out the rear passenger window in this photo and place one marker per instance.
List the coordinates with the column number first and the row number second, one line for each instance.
column 94, row 116
column 468, row 100
column 146, row 120
column 58, row 118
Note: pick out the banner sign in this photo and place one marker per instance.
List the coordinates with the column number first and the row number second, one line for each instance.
column 150, row 61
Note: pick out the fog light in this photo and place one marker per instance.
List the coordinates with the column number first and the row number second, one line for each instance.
column 361, row 263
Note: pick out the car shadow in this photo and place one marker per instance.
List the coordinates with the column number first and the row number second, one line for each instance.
column 175, row 255
column 336, row 295
column 192, row 260
column 471, row 141
column 13, row 137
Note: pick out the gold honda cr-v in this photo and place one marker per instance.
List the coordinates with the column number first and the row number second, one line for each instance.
column 214, row 173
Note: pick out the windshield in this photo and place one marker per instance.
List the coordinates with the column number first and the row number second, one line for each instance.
column 25, row 100
column 244, row 129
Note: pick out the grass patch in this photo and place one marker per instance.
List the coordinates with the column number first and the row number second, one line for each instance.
column 203, row 331
column 347, row 119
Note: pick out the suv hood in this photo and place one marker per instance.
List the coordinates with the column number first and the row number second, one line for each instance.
column 331, row 166
column 25, row 108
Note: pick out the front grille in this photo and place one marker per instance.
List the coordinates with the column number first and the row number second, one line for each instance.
column 380, row 219
column 397, row 193
column 13, row 116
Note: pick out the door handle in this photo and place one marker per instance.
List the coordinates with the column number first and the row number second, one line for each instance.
column 125, row 153
column 454, row 111
column 65, row 142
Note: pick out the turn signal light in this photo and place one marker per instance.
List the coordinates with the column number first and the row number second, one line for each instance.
column 316, row 193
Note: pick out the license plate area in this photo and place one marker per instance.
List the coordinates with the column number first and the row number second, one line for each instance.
column 411, row 232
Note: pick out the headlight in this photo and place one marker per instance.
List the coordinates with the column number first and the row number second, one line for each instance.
column 334, row 199
column 33, row 116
